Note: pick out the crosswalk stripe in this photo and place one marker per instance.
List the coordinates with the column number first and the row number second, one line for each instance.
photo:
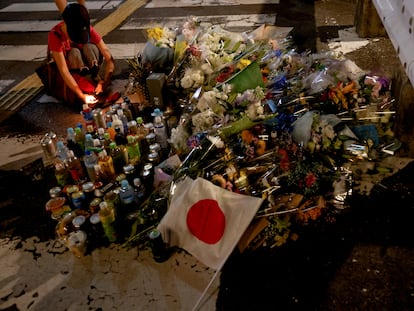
column 229, row 21
column 50, row 6
column 189, row 3
column 4, row 84
column 38, row 52
column 226, row 21
column 29, row 26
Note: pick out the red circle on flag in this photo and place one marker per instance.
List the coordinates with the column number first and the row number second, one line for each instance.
column 206, row 221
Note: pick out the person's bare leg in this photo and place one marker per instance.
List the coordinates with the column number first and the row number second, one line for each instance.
column 61, row 4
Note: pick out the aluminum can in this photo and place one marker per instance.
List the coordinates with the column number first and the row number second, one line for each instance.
column 78, row 198
column 99, row 118
column 48, row 143
column 159, row 251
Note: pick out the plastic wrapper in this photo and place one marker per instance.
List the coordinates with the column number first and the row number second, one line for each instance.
column 159, row 59
column 342, row 188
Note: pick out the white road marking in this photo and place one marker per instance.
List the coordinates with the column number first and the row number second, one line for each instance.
column 189, row 3
column 50, row 6
column 29, row 26
column 226, row 21
column 4, row 84
column 38, row 52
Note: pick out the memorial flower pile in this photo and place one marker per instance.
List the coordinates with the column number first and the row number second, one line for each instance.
column 262, row 119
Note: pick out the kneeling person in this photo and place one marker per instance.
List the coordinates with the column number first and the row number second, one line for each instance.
column 79, row 50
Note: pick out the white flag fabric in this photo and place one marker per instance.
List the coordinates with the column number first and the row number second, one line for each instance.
column 207, row 220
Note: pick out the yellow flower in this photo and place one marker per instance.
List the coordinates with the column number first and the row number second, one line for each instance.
column 243, row 63
column 155, row 33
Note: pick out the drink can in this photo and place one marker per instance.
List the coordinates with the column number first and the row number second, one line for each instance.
column 88, row 189
column 55, row 192
column 48, row 146
column 77, row 243
column 94, row 205
column 158, row 248
column 78, row 198
column 99, row 117
column 78, row 222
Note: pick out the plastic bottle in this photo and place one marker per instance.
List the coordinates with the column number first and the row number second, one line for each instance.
column 119, row 156
column 87, row 115
column 62, row 174
column 106, row 165
column 101, row 135
column 75, row 168
column 110, row 130
column 71, row 142
column 117, row 123
column 126, row 193
column 126, row 111
column 89, row 142
column 120, row 138
column 123, row 119
column 107, row 141
column 142, row 133
column 80, row 137
column 160, row 132
column 132, row 127
column 97, row 147
column 134, row 153
column 91, row 130
column 90, row 160
column 139, row 189
column 107, row 218
column 62, row 152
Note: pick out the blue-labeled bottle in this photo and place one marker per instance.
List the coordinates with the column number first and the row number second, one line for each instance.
column 126, row 193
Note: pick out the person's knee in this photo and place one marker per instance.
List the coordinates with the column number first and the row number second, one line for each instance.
column 75, row 53
column 75, row 60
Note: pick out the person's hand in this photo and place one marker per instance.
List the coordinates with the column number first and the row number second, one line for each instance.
column 90, row 99
column 100, row 87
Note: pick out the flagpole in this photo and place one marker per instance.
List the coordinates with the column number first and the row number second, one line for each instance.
column 195, row 308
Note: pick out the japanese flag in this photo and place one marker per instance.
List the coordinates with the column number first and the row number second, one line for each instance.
column 206, row 220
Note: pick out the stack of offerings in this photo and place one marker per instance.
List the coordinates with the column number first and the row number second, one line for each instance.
column 104, row 172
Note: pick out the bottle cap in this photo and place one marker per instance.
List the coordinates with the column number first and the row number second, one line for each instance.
column 140, row 120
column 157, row 112
column 124, row 183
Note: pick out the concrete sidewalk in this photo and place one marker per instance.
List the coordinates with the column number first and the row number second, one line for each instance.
column 44, row 276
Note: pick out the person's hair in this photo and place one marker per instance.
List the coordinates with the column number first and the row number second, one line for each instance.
column 76, row 18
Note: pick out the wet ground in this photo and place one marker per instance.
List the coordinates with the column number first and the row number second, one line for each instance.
column 361, row 260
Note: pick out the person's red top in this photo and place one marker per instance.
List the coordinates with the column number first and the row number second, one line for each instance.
column 60, row 42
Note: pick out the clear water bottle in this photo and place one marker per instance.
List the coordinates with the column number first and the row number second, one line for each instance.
column 90, row 160
column 160, row 131
column 62, row 151
column 71, row 142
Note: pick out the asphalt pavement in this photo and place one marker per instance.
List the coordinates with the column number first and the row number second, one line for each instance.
column 363, row 262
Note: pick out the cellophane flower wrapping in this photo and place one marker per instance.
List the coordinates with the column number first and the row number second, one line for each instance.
column 264, row 120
